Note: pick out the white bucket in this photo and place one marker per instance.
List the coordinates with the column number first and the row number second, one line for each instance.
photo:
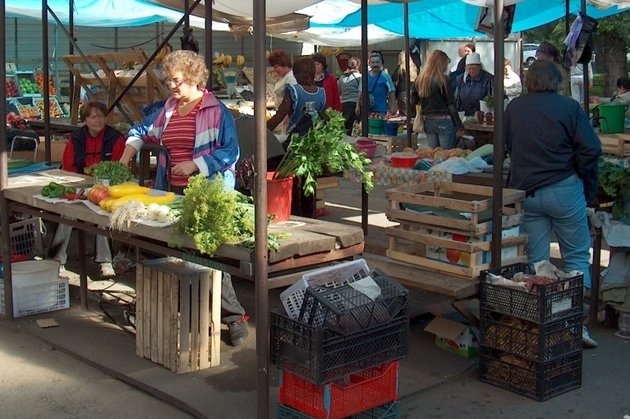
column 34, row 272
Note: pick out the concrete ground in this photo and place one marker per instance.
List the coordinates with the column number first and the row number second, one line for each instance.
column 87, row 366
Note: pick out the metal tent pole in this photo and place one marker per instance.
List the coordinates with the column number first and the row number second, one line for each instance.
column 364, row 105
column 497, row 172
column 260, row 197
column 4, row 170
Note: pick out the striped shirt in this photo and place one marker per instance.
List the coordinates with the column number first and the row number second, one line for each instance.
column 179, row 139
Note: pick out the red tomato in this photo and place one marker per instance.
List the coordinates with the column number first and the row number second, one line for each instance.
column 97, row 193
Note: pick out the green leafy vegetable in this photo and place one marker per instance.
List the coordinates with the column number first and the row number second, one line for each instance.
column 212, row 216
column 613, row 181
column 116, row 172
column 323, row 147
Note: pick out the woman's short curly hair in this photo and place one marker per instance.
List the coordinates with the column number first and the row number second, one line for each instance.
column 279, row 57
column 86, row 109
column 189, row 63
column 318, row 57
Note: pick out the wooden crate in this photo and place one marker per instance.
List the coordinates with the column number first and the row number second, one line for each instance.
column 617, row 144
column 324, row 183
column 176, row 325
column 456, row 254
column 393, row 143
column 441, row 205
column 444, row 221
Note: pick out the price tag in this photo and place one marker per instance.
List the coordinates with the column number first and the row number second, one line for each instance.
column 10, row 68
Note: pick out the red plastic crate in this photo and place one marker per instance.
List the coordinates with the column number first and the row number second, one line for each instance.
column 342, row 398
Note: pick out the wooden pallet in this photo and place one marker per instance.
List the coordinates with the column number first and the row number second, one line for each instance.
column 176, row 325
column 441, row 205
column 617, row 144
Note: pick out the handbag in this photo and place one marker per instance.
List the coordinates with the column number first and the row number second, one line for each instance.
column 418, row 121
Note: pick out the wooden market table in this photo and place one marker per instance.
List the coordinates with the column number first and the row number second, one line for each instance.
column 483, row 133
column 310, row 242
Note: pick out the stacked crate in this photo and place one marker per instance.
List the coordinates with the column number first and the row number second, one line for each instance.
column 446, row 226
column 531, row 341
column 337, row 349
column 25, row 238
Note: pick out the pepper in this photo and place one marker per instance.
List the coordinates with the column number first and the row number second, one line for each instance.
column 55, row 190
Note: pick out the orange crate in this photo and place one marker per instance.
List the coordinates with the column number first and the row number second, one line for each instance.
column 342, row 398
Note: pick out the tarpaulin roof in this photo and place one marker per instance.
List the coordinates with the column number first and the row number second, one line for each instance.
column 101, row 13
column 441, row 19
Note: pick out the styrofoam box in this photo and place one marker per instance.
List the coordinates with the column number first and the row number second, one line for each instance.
column 330, row 277
column 40, row 298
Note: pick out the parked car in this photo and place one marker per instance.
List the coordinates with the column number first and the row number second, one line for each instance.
column 529, row 54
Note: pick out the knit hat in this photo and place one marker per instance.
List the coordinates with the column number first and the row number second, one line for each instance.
column 473, row 58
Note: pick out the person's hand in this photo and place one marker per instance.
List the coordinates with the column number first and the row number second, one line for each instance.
column 186, row 168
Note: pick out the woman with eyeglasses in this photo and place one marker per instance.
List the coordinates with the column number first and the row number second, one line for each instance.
column 199, row 133
column 93, row 143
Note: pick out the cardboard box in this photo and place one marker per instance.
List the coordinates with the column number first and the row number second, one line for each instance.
column 460, row 258
column 454, row 337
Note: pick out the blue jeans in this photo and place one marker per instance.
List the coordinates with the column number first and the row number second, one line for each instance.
column 560, row 208
column 440, row 132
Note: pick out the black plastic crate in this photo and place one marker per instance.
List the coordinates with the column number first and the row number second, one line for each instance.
column 530, row 340
column 543, row 304
column 321, row 355
column 346, row 310
column 386, row 411
column 538, row 380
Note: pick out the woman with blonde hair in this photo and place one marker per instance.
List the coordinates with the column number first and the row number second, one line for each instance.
column 435, row 97
column 199, row 133
column 399, row 76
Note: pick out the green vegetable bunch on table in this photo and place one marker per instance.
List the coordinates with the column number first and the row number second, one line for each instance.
column 57, row 190
column 116, row 172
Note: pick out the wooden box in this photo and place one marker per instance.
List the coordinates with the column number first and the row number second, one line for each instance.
column 447, row 226
column 454, row 207
column 617, row 144
column 174, row 323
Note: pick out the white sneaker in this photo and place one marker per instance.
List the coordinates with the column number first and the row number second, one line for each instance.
column 587, row 340
column 107, row 269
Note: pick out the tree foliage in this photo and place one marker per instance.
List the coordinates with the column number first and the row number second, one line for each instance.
column 610, row 44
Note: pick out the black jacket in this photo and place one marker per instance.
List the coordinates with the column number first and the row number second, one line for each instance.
column 549, row 138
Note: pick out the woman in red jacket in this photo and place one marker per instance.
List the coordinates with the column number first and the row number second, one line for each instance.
column 326, row 81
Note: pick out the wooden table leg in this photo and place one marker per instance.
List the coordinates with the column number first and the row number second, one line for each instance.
column 83, row 271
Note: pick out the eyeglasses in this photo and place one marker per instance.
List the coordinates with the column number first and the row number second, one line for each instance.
column 174, row 83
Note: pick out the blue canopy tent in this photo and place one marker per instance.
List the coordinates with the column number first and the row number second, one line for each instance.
column 441, row 19
column 99, row 13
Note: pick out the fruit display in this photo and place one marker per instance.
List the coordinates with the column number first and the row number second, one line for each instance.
column 55, row 109
column 11, row 88
column 27, row 111
column 27, row 85
column 39, row 78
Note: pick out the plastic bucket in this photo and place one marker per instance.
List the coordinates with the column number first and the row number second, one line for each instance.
column 391, row 129
column 368, row 147
column 279, row 196
column 612, row 117
column 375, row 126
